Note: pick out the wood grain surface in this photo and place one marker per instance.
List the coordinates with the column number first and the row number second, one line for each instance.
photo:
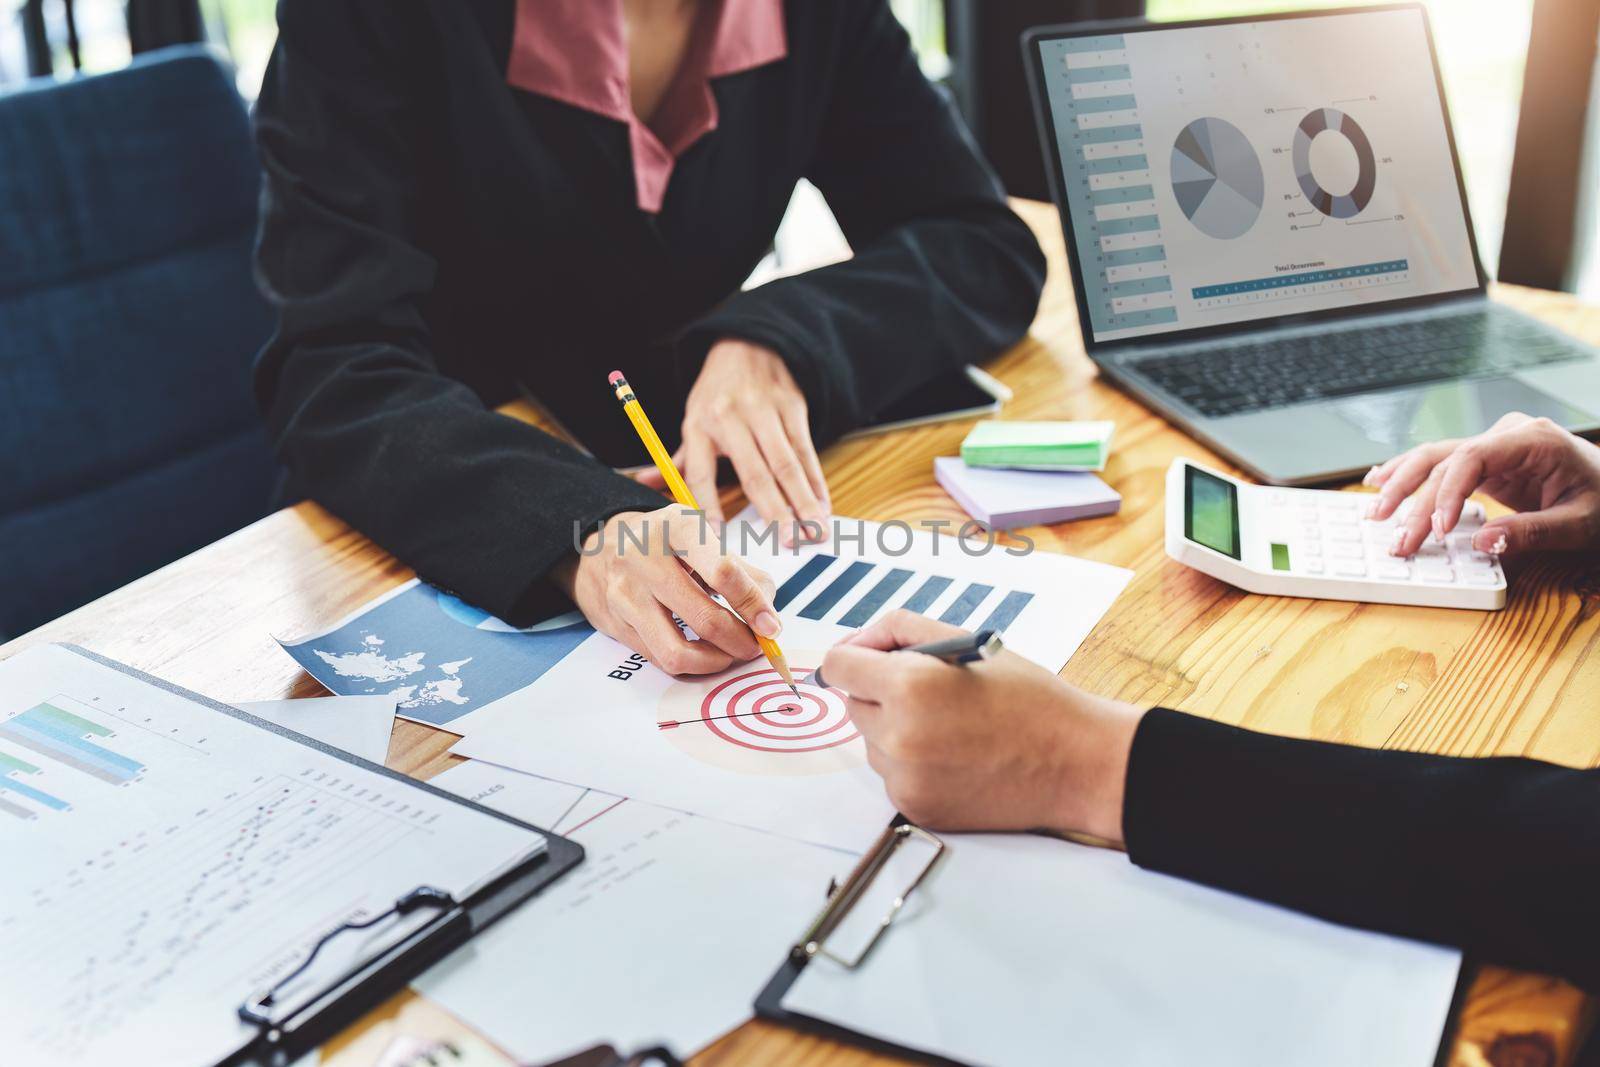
column 1522, row 681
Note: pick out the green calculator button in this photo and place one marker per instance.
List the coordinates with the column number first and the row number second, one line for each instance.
column 1280, row 557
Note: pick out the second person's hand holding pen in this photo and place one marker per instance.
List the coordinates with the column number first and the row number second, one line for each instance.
column 997, row 745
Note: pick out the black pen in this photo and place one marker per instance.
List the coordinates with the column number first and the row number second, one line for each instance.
column 968, row 649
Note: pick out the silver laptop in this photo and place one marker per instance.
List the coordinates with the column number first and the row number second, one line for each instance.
column 1270, row 241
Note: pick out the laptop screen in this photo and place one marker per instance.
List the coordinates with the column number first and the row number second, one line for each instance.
column 1226, row 173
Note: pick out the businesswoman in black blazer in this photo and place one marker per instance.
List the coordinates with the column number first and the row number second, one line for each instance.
column 1500, row 857
column 468, row 197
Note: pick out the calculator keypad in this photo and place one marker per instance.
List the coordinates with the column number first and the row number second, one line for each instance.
column 1329, row 535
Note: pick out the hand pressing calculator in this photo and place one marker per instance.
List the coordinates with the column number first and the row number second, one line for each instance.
column 1317, row 543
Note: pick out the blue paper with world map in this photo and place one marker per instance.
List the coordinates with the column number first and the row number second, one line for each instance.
column 438, row 656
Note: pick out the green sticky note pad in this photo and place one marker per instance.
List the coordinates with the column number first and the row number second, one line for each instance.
column 1038, row 445
column 1280, row 557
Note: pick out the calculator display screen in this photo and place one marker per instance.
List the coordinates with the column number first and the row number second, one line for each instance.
column 1211, row 512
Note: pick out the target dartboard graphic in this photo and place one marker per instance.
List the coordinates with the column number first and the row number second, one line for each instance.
column 749, row 720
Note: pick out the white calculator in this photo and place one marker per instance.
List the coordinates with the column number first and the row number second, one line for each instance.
column 1316, row 543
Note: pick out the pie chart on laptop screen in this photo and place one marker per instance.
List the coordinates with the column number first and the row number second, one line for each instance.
column 1217, row 179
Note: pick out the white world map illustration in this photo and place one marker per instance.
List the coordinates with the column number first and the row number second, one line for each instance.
column 372, row 664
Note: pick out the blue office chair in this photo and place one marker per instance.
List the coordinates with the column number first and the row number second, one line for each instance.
column 128, row 322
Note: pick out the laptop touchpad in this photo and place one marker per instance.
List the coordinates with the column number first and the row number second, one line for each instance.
column 1450, row 409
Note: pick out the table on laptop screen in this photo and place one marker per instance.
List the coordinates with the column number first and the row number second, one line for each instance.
column 1246, row 170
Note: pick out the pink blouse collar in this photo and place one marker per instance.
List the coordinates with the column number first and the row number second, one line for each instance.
column 574, row 51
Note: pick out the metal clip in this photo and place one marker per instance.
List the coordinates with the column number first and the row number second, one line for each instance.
column 842, row 898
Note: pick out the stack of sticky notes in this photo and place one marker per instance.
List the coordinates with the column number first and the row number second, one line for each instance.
column 1048, row 446
column 1007, row 499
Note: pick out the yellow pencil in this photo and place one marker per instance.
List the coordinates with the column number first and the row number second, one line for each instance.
column 680, row 492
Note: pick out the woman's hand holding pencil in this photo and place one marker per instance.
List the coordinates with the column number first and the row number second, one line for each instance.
column 640, row 568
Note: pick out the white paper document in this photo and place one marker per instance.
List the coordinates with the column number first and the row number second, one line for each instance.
column 664, row 934
column 358, row 725
column 589, row 807
column 164, row 861
column 1027, row 950
column 542, row 802
column 739, row 746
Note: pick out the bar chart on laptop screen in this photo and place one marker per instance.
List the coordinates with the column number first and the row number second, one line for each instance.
column 854, row 593
column 1111, row 193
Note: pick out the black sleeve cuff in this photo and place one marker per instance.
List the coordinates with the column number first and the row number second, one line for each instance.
column 1498, row 856
column 1266, row 815
column 1177, row 756
column 541, row 599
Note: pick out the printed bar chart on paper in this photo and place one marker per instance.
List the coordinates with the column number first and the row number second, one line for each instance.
column 857, row 593
column 60, row 735
column 57, row 750
column 14, row 783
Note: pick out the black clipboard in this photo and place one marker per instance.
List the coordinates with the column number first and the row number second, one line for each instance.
column 768, row 1006
column 769, row 1003
column 329, row 1011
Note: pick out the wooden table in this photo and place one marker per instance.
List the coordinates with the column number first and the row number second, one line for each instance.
column 1521, row 681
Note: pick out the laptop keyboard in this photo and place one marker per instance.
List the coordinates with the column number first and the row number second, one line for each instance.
column 1257, row 375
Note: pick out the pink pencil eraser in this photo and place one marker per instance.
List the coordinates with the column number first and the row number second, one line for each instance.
column 616, row 376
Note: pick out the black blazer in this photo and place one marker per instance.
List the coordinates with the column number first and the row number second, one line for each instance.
column 432, row 237
column 1499, row 857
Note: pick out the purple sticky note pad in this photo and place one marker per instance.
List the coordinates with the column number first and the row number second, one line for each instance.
column 1006, row 499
